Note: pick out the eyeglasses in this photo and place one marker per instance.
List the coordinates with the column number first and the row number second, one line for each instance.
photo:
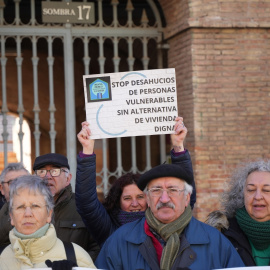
column 172, row 192
column 8, row 182
column 54, row 172
column 35, row 208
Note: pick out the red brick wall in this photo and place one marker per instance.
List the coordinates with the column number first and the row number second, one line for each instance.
column 223, row 84
column 231, row 104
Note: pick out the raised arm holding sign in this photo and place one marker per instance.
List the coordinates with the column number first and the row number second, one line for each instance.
column 124, row 202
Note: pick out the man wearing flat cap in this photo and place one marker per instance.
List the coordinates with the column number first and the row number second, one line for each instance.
column 67, row 221
column 168, row 237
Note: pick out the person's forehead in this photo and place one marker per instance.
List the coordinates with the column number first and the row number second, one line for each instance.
column 14, row 174
column 258, row 178
column 166, row 181
column 25, row 195
column 131, row 190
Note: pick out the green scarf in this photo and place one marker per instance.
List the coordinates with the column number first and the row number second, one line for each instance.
column 170, row 233
column 257, row 232
column 37, row 234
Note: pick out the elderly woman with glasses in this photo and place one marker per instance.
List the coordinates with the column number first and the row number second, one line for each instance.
column 34, row 243
column 246, row 206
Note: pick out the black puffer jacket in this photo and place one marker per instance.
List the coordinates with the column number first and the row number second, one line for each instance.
column 230, row 228
column 239, row 241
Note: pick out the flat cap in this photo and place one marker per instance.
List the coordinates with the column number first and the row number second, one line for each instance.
column 57, row 160
column 164, row 170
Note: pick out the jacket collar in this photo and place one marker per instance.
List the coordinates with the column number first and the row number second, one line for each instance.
column 64, row 196
column 30, row 250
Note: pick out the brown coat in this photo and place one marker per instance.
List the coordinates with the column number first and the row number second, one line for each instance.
column 69, row 225
column 5, row 226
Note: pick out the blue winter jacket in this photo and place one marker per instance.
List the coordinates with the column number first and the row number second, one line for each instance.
column 202, row 247
column 95, row 217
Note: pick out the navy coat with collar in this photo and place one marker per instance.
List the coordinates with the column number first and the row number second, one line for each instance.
column 95, row 217
column 202, row 247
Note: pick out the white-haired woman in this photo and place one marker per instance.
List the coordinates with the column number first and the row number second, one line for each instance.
column 34, row 243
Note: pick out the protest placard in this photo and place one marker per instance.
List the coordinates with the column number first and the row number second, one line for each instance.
column 135, row 103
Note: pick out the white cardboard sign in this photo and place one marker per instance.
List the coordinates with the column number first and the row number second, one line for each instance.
column 135, row 103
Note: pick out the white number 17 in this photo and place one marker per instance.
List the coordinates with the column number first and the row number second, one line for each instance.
column 81, row 8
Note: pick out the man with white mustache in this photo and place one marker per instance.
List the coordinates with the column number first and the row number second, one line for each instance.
column 168, row 238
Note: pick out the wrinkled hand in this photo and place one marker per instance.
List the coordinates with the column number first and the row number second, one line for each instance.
column 61, row 265
column 85, row 140
column 180, row 134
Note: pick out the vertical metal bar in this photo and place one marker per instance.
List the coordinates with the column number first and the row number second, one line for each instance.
column 116, row 58
column 20, row 110
column 4, row 100
column 119, row 157
column 131, row 59
column 2, row 6
column 145, row 59
column 148, row 153
column 33, row 12
column 115, row 18
column 101, row 58
column 86, row 58
column 70, row 102
column 51, row 108
column 36, row 108
column 133, row 155
column 100, row 13
column 17, row 11
column 129, row 9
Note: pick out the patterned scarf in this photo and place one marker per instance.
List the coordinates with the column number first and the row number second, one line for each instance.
column 123, row 217
column 171, row 234
column 257, row 232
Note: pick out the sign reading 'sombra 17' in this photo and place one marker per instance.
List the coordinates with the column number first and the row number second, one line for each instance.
column 135, row 103
column 68, row 12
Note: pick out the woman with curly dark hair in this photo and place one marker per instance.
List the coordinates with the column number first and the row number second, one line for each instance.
column 119, row 202
column 125, row 202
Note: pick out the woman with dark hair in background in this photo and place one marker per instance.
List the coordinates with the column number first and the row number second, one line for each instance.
column 125, row 202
